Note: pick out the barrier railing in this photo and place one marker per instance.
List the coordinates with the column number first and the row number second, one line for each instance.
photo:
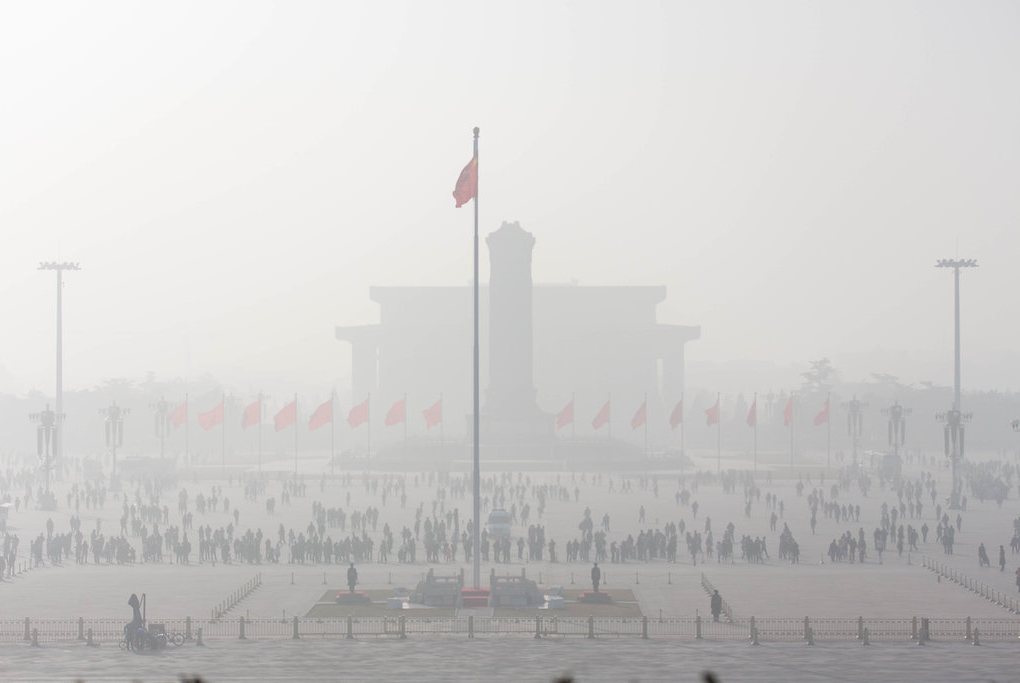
column 773, row 629
column 237, row 596
column 971, row 584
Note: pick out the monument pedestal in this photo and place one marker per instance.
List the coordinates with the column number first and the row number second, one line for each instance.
column 593, row 598
column 355, row 598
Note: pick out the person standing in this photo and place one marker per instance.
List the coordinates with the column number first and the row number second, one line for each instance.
column 352, row 577
column 716, row 605
column 596, row 577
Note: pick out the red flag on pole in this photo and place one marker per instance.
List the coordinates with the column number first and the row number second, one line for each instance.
column 396, row 414
column 434, row 414
column 322, row 416
column 602, row 417
column 639, row 416
column 677, row 416
column 823, row 415
column 287, row 416
column 712, row 414
column 752, row 414
column 179, row 415
column 788, row 412
column 565, row 416
column 212, row 418
column 252, row 414
column 358, row 414
column 467, row 183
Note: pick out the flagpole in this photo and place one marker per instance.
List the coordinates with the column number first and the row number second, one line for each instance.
column 332, row 434
column 792, row 422
column 260, row 432
column 718, row 435
column 187, row 434
column 828, row 432
column 609, row 402
column 476, row 541
column 755, row 404
column 368, row 425
column 646, row 424
column 223, row 430
column 682, row 432
column 295, row 433
column 573, row 422
column 440, row 425
column 405, row 433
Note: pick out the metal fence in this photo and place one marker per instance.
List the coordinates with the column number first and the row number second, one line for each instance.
column 754, row 629
column 971, row 584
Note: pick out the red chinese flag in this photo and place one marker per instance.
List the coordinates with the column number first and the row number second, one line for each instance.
column 433, row 414
column 467, row 183
column 823, row 415
column 565, row 416
column 252, row 415
column 677, row 416
column 179, row 415
column 396, row 414
column 212, row 418
column 752, row 414
column 358, row 414
column 322, row 416
column 286, row 417
column 640, row 416
column 788, row 412
column 602, row 417
column 712, row 414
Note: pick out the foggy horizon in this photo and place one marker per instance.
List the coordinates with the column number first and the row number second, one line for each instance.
column 233, row 178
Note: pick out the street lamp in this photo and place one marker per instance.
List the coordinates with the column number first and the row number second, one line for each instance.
column 46, row 446
column 954, row 419
column 854, row 421
column 114, row 433
column 59, row 268
column 897, row 415
column 161, row 409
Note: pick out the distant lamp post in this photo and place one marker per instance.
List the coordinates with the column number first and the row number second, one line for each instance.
column 953, row 433
column 897, row 415
column 854, row 421
column 161, row 415
column 46, row 447
column 59, row 268
column 954, row 419
column 114, row 431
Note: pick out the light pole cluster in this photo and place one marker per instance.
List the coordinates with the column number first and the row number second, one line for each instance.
column 854, row 421
column 114, row 433
column 46, row 447
column 161, row 414
column 897, row 415
column 954, row 418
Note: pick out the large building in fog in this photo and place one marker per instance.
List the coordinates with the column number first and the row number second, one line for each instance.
column 540, row 345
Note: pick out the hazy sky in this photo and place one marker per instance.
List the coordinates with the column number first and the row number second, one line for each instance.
column 233, row 176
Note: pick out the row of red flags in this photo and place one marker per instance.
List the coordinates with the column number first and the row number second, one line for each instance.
column 676, row 417
column 323, row 415
column 433, row 415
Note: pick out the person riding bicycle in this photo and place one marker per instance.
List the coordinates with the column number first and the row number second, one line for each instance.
column 136, row 620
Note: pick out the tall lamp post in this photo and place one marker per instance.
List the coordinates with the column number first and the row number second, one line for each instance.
column 58, row 443
column 114, row 433
column 854, row 421
column 954, row 419
column 46, row 444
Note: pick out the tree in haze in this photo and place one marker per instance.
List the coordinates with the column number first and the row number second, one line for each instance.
column 820, row 378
